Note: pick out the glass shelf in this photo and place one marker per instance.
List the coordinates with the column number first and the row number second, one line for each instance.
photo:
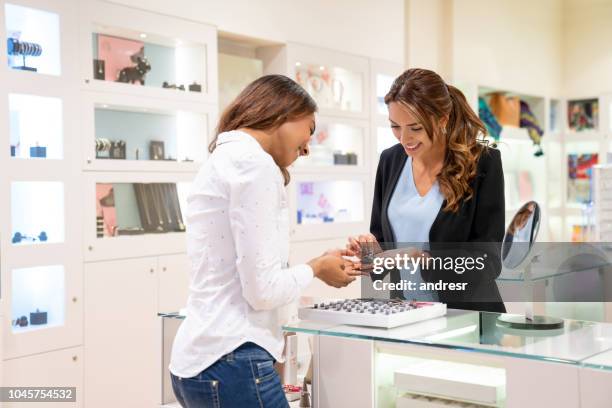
column 383, row 85
column 138, row 208
column 35, row 127
column 139, row 58
column 128, row 133
column 335, row 144
column 337, row 201
column 37, row 298
column 384, row 138
column 332, row 87
column 37, row 212
column 33, row 39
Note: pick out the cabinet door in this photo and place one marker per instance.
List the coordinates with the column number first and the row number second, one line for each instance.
column 121, row 334
column 173, row 282
column 62, row 368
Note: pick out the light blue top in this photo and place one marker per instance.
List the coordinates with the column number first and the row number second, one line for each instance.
column 411, row 217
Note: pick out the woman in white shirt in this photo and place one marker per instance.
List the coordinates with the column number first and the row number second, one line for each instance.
column 237, row 240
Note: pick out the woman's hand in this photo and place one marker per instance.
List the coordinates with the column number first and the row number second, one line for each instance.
column 333, row 269
column 365, row 241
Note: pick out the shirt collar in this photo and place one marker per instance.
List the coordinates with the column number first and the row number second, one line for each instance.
column 236, row 136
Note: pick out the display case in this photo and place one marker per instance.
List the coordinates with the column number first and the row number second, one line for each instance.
column 338, row 82
column 38, row 298
column 131, row 133
column 460, row 359
column 35, row 127
column 134, row 51
column 33, row 39
column 37, row 212
column 136, row 214
column 328, row 207
column 337, row 145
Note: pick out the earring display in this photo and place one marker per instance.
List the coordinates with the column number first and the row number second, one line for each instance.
column 98, row 70
column 195, row 87
column 38, row 317
column 38, row 151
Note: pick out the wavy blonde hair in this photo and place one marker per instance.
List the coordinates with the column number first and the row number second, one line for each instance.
column 426, row 96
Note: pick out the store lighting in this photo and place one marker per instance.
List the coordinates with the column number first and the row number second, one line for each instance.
column 297, row 64
column 143, row 35
column 321, row 67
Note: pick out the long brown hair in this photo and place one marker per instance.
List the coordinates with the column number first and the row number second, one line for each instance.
column 425, row 94
column 265, row 104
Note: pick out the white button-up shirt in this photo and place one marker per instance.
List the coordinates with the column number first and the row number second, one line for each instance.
column 237, row 241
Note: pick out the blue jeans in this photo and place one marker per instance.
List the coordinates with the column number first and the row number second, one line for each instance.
column 243, row 378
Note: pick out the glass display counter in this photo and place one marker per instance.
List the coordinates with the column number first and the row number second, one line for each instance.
column 465, row 357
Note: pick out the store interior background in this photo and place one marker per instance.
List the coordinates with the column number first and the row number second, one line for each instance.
column 105, row 293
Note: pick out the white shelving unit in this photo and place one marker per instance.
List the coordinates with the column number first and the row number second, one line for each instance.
column 41, row 280
column 74, row 288
column 341, row 156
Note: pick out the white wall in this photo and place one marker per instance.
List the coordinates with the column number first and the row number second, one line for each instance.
column 587, row 39
column 362, row 27
column 509, row 44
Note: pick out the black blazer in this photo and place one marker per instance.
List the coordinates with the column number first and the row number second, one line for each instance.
column 480, row 219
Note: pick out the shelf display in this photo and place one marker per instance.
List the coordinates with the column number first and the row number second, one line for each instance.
column 137, row 58
column 33, row 39
column 35, row 127
column 37, row 298
column 335, row 144
column 384, row 138
column 580, row 169
column 127, row 133
column 37, row 212
column 329, row 202
column 331, row 87
column 137, row 208
column 583, row 115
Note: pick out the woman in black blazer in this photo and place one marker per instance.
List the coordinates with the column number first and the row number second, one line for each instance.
column 440, row 137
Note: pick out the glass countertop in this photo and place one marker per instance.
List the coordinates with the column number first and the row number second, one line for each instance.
column 579, row 342
column 575, row 343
